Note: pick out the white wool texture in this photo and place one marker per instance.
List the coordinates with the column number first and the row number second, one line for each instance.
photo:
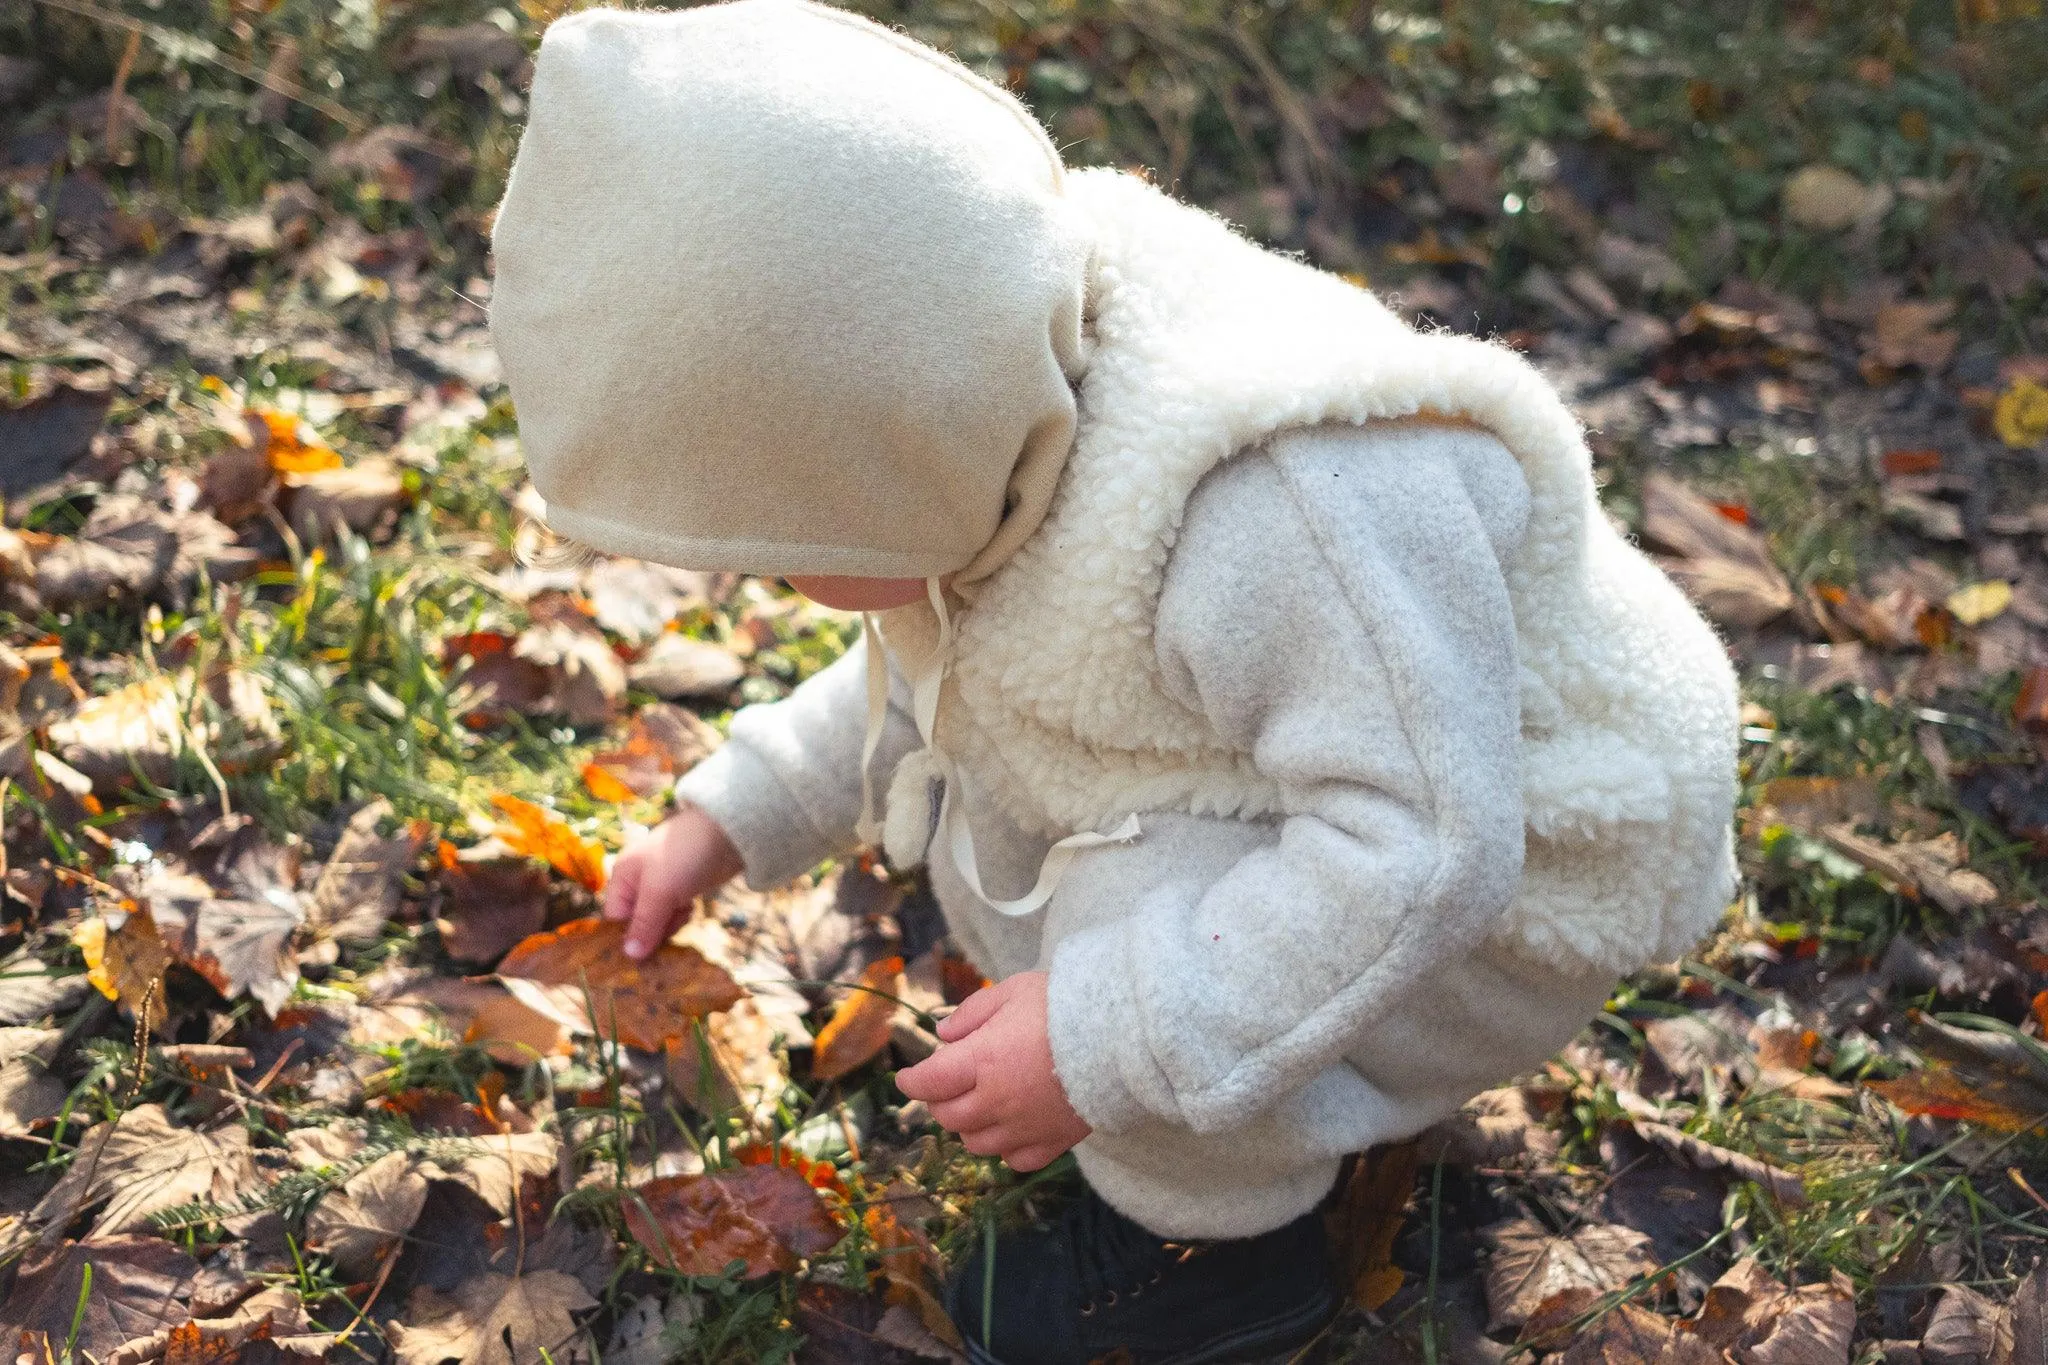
column 1207, row 345
column 781, row 291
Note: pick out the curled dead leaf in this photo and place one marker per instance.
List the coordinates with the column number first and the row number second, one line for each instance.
column 647, row 1004
column 859, row 1028
column 766, row 1217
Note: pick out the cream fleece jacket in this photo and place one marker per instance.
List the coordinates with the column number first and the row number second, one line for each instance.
column 1255, row 998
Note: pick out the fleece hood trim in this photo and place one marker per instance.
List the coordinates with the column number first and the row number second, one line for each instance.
column 782, row 291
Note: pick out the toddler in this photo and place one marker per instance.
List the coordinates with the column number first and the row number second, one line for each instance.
column 1285, row 728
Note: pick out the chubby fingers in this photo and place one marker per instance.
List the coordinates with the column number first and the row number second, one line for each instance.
column 976, row 1010
column 623, row 889
column 945, row 1075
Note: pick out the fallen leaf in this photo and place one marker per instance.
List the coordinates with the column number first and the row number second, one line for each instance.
column 489, row 904
column 764, row 1216
column 363, row 498
column 130, row 547
column 1632, row 1335
column 663, row 742
column 1910, row 333
column 1928, row 867
column 1492, row 1127
column 1904, row 462
column 649, row 1003
column 141, row 1163
column 494, row 1320
column 1966, row 1327
column 2009, row 1104
column 494, row 1168
column 2020, row 416
column 45, row 435
column 1530, row 1263
column 34, row 992
column 1784, row 1186
column 859, row 1028
column 241, row 947
column 139, row 1285
column 356, row 1224
column 126, row 961
column 480, row 1012
column 148, row 726
column 288, row 442
column 1726, row 567
column 539, row 833
column 359, row 890
column 1828, row 199
column 1976, row 603
column 675, row 666
column 404, row 163
column 2030, row 706
column 1813, row 803
column 635, row 600
column 30, row 1091
column 1366, row 1219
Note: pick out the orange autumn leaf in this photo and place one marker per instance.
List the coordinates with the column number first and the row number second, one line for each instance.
column 288, row 450
column 652, row 1003
column 2030, row 708
column 2007, row 1104
column 859, row 1028
column 1902, row 462
column 1366, row 1221
column 604, row 786
column 127, row 964
column 764, row 1216
column 540, row 833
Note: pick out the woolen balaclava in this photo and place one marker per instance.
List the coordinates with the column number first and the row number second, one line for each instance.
column 782, row 291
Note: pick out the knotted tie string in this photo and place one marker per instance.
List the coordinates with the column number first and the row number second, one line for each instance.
column 925, row 684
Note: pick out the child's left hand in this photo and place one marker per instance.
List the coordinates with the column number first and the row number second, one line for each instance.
column 993, row 1082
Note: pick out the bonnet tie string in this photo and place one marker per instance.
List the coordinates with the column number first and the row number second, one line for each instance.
column 952, row 822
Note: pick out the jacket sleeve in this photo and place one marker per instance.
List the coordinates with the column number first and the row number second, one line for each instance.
column 785, row 786
column 1336, row 607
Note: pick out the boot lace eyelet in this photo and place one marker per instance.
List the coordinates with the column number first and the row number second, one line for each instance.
column 1088, row 1309
column 1110, row 1300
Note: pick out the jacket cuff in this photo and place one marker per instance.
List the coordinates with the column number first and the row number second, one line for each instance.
column 742, row 795
column 1096, row 1031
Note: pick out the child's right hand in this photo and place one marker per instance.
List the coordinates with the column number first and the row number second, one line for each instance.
column 654, row 882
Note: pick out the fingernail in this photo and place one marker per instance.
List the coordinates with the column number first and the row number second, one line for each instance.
column 635, row 948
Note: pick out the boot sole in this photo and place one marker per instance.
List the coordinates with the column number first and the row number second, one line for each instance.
column 1269, row 1343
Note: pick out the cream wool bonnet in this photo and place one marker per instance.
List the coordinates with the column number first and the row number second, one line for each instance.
column 781, row 291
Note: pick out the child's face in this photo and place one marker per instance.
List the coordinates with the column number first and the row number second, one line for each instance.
column 858, row 594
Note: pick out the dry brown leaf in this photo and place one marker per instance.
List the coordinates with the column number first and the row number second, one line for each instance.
column 480, row 1012
column 1785, row 1186
column 47, row 434
column 145, row 727
column 358, row 1223
column 495, row 1168
column 765, row 1216
column 139, row 1286
column 125, row 958
column 663, row 742
column 1633, row 1335
column 359, row 892
column 1828, row 199
column 1910, row 333
column 676, row 666
column 586, row 680
column 1366, row 1219
column 649, row 1003
column 1531, row 1263
column 1494, row 1126
column 637, row 601
column 859, row 1028
column 239, row 946
column 29, row 1091
column 141, row 1163
column 131, row 548
column 489, row 904
column 494, row 1320
column 1929, row 867
column 1967, row 1328
column 363, row 498
column 1724, row 566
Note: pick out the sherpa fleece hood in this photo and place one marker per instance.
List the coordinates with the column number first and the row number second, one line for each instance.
column 781, row 291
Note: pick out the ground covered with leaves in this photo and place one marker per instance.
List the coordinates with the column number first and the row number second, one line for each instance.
column 309, row 1047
